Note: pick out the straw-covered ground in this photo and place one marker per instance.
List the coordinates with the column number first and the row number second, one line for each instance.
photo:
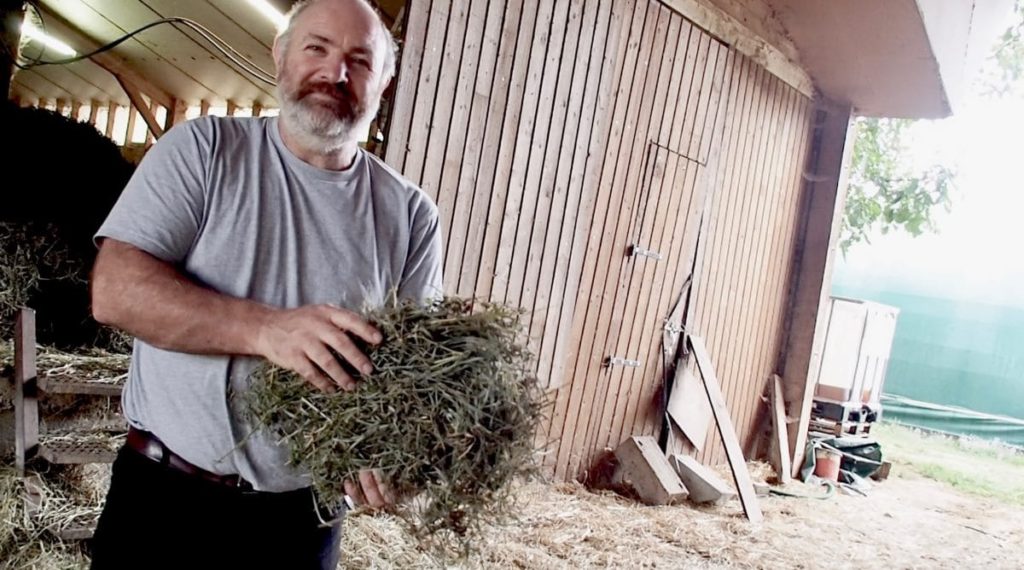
column 908, row 521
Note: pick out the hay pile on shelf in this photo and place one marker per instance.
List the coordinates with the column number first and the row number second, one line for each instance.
column 448, row 417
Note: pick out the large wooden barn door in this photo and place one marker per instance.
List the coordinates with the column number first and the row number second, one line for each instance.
column 644, row 233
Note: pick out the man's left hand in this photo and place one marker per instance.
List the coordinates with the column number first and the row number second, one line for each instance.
column 370, row 490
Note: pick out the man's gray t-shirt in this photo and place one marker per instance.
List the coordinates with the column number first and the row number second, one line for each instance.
column 228, row 204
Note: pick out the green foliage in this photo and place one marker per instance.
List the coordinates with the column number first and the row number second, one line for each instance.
column 1004, row 75
column 884, row 192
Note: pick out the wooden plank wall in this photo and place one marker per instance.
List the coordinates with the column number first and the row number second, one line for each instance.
column 555, row 133
column 501, row 114
column 746, row 252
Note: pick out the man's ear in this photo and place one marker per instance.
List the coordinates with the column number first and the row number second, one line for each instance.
column 278, row 52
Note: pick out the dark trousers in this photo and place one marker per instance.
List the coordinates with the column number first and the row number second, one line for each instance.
column 157, row 517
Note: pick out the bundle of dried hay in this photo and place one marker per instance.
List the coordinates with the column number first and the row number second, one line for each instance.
column 447, row 416
column 46, row 247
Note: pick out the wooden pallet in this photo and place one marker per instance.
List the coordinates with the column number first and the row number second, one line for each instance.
column 68, row 384
column 75, row 449
column 838, row 429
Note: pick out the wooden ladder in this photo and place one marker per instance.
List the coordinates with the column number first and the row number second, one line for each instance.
column 72, row 448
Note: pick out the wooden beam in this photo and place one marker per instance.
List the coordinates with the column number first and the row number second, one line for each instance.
column 780, row 456
column 94, row 109
column 761, row 48
column 61, row 105
column 257, row 107
column 824, row 197
column 111, row 115
column 108, row 60
column 204, row 108
column 737, row 464
column 133, row 114
column 76, row 108
column 232, row 108
column 175, row 114
column 135, row 96
column 26, row 407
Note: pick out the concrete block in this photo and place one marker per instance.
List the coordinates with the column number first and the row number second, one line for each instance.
column 643, row 467
column 705, row 485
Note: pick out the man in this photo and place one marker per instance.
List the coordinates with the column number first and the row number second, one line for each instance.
column 242, row 239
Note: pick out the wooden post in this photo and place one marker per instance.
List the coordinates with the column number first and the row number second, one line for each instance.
column 232, row 108
column 139, row 102
column 26, row 407
column 257, row 107
column 61, row 105
column 76, row 108
column 824, row 197
column 111, row 114
column 133, row 114
column 204, row 108
column 780, row 455
column 94, row 110
column 175, row 114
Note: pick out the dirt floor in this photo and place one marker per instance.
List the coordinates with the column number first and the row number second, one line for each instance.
column 911, row 520
column 968, row 514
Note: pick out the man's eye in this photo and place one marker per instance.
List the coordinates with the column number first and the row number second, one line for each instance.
column 315, row 48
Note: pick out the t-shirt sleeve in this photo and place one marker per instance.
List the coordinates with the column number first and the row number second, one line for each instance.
column 161, row 208
column 421, row 277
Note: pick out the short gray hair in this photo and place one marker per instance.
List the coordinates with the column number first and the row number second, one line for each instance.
column 390, row 50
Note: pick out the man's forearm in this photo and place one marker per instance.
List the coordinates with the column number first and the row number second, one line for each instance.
column 152, row 300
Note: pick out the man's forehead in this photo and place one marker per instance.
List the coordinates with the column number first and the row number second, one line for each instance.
column 334, row 21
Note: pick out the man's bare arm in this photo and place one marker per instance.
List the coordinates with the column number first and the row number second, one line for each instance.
column 151, row 299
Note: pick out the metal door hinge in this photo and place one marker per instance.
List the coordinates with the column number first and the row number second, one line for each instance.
column 674, row 328
column 637, row 251
column 616, row 361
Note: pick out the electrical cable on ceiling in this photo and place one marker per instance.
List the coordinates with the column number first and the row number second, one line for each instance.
column 222, row 46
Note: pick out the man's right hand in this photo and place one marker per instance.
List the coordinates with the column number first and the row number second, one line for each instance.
column 303, row 339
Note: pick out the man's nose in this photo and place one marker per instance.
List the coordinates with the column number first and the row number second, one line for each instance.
column 334, row 71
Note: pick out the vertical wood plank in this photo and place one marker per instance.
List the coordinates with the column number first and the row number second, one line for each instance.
column 454, row 156
column 426, row 90
column 463, row 246
column 615, row 288
column 501, row 100
column 529, row 150
column 448, row 84
column 565, row 414
column 26, row 407
column 413, row 46
column 583, row 386
column 499, row 170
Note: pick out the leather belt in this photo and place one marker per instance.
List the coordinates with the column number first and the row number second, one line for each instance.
column 149, row 446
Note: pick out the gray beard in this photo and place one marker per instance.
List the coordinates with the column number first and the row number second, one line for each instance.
column 317, row 129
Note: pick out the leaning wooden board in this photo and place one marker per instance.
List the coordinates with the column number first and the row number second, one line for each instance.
column 738, row 465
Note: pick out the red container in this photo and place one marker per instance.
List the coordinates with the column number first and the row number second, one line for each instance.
column 826, row 464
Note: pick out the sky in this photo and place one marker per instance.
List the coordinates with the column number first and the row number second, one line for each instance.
column 978, row 252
